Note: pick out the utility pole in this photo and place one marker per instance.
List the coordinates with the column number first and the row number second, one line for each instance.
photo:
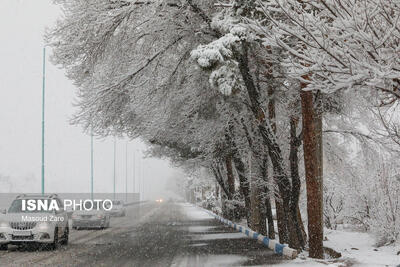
column 43, row 105
column 134, row 170
column 115, row 152
column 143, row 174
column 126, row 172
column 91, row 164
column 139, row 177
column 143, row 185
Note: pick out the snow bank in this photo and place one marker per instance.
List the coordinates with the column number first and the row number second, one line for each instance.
column 218, row 236
column 200, row 229
column 360, row 246
column 194, row 213
column 357, row 250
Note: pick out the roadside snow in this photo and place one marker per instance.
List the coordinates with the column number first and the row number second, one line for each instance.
column 200, row 229
column 360, row 246
column 357, row 250
column 194, row 213
column 218, row 236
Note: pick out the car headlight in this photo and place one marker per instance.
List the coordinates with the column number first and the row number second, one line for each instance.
column 3, row 224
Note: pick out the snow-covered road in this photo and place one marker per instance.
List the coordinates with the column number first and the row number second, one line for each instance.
column 153, row 234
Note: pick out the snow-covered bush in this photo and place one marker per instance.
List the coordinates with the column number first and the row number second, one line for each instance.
column 384, row 216
column 370, row 200
column 333, row 207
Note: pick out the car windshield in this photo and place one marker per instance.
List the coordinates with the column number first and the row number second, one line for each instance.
column 17, row 207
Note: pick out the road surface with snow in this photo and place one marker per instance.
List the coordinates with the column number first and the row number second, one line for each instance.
column 152, row 234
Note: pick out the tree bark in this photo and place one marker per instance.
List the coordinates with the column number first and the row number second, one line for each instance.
column 268, row 137
column 312, row 123
column 296, row 235
column 244, row 184
column 257, row 221
column 229, row 174
column 267, row 201
column 283, row 226
column 220, row 180
column 270, row 218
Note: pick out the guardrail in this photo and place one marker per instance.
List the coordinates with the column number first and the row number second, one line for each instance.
column 272, row 244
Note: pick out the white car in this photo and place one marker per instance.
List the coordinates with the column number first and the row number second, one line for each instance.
column 18, row 226
column 118, row 208
column 90, row 219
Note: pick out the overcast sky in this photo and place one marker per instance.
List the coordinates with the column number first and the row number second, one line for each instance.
column 22, row 24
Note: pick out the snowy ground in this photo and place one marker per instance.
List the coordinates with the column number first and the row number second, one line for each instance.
column 219, row 245
column 361, row 247
column 357, row 248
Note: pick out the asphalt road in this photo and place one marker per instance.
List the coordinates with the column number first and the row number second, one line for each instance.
column 152, row 234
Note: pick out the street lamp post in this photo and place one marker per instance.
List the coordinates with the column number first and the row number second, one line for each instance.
column 139, row 177
column 91, row 164
column 115, row 151
column 126, row 172
column 142, row 176
column 43, row 105
column 144, row 180
column 134, row 170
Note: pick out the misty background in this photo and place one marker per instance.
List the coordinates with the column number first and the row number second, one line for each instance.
column 67, row 148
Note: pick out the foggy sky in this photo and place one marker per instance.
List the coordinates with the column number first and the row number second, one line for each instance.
column 22, row 24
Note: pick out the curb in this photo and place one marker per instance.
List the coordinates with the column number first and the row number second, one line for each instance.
column 278, row 248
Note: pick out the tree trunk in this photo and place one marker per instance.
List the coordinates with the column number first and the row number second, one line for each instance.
column 268, row 137
column 229, row 174
column 257, row 221
column 220, row 180
column 313, row 166
column 268, row 211
column 303, row 230
column 296, row 236
column 244, row 184
column 267, row 201
column 231, row 186
column 282, row 219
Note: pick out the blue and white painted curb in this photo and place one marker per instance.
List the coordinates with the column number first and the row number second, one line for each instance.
column 279, row 249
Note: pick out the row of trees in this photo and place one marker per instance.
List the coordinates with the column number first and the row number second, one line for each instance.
column 243, row 89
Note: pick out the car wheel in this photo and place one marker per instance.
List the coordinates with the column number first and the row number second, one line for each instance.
column 65, row 236
column 54, row 245
column 4, row 247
